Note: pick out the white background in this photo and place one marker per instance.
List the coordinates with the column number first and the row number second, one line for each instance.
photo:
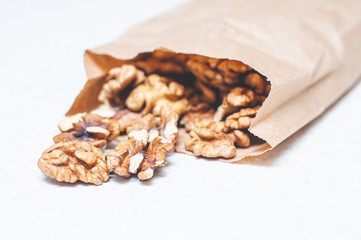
column 309, row 187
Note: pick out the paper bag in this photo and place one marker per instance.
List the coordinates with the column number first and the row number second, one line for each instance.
column 309, row 51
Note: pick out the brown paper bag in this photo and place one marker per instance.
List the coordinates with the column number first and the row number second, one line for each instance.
column 309, row 51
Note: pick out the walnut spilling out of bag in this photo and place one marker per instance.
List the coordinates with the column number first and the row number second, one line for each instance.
column 89, row 127
column 74, row 160
column 146, row 148
column 127, row 156
column 147, row 99
column 210, row 143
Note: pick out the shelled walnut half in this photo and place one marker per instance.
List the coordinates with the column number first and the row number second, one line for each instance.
column 74, row 160
column 210, row 143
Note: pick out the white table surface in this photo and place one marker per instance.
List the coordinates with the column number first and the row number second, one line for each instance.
column 309, row 187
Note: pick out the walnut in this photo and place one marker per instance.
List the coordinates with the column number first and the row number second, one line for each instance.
column 169, row 125
column 219, row 126
column 232, row 68
column 240, row 138
column 209, row 143
column 208, row 95
column 240, row 97
column 179, row 106
column 67, row 123
column 90, row 127
column 258, row 83
column 131, row 156
column 217, row 72
column 158, row 149
column 224, row 109
column 160, row 146
column 125, row 118
column 204, row 73
column 104, row 110
column 74, row 160
column 120, row 78
column 127, row 156
column 237, row 97
column 146, row 122
column 241, row 119
column 202, row 112
column 167, row 55
column 212, row 62
column 152, row 65
column 154, row 88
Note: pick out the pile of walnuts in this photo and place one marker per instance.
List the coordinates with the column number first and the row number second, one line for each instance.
column 148, row 99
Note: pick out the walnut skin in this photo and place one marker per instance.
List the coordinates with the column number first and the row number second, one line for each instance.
column 209, row 143
column 74, row 160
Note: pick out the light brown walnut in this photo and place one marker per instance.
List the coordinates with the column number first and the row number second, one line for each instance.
column 74, row 160
column 169, row 125
column 146, row 122
column 90, row 127
column 127, row 156
column 178, row 106
column 219, row 126
column 104, row 110
column 260, row 85
column 241, row 119
column 240, row 97
column 125, row 118
column 159, row 148
column 161, row 144
column 236, row 98
column 68, row 122
column 205, row 73
column 209, row 143
column 203, row 112
column 154, row 88
column 240, row 138
column 118, row 79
